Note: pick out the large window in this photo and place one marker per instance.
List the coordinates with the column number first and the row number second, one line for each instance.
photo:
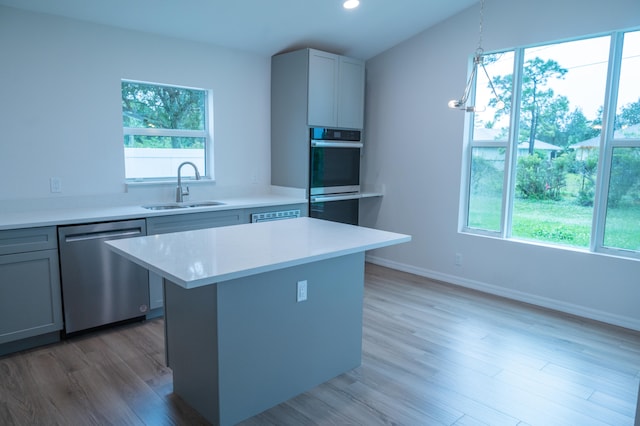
column 164, row 126
column 560, row 162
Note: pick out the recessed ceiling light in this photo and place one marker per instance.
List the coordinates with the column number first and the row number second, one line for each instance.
column 350, row 4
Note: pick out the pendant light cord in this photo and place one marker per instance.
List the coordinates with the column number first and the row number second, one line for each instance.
column 479, row 50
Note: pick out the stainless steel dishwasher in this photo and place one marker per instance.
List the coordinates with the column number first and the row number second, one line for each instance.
column 98, row 286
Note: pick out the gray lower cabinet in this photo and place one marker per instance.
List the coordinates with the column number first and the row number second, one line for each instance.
column 30, row 302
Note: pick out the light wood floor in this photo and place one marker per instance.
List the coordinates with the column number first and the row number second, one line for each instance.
column 433, row 354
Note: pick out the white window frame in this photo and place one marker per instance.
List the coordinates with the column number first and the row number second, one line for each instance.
column 607, row 145
column 206, row 134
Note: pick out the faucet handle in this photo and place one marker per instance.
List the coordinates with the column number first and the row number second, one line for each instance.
column 181, row 191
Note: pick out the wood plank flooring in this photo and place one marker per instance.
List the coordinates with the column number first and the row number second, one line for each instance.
column 433, row 354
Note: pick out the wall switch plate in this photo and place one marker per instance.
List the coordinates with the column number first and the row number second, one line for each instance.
column 55, row 184
column 301, row 291
column 458, row 259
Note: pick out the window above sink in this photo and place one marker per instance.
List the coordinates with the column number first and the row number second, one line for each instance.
column 164, row 126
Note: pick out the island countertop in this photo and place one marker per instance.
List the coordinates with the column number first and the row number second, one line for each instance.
column 196, row 258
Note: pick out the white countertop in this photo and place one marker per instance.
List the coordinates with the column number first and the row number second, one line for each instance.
column 196, row 258
column 76, row 213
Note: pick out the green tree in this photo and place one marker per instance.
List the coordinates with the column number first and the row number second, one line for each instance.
column 537, row 101
column 551, row 120
column 586, row 169
column 625, row 175
column 540, row 178
column 163, row 107
column 629, row 115
column 578, row 128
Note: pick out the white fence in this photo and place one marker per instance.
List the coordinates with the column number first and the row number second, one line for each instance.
column 161, row 162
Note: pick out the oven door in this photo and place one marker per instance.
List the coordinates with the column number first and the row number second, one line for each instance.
column 338, row 208
column 335, row 167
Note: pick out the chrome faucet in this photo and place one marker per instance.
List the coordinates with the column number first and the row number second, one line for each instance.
column 180, row 192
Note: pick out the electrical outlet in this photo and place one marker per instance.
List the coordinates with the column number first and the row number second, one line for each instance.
column 458, row 260
column 55, row 184
column 301, row 291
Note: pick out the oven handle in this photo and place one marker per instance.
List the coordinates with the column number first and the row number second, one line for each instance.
column 323, row 144
column 326, row 198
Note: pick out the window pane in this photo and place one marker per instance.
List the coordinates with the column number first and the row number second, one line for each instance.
column 162, row 107
column 623, row 203
column 627, row 124
column 157, row 157
column 563, row 89
column 545, row 207
column 486, row 187
column 174, row 142
column 491, row 112
column 163, row 126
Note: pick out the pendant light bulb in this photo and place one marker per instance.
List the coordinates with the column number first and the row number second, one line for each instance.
column 351, row 4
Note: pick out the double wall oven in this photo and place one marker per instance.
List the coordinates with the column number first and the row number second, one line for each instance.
column 334, row 191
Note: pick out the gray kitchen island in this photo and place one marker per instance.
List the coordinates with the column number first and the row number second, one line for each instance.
column 256, row 314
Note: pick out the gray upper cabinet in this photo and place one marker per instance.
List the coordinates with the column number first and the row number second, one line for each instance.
column 351, row 83
column 310, row 88
column 336, row 91
column 333, row 85
column 30, row 302
column 323, row 85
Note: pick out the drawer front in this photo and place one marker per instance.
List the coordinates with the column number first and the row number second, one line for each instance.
column 28, row 239
column 192, row 221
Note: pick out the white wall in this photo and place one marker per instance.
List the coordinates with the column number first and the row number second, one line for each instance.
column 414, row 149
column 60, row 103
column 60, row 116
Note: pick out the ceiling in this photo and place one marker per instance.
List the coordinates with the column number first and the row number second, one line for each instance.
column 264, row 27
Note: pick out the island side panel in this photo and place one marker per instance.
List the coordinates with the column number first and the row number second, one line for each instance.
column 192, row 345
column 272, row 347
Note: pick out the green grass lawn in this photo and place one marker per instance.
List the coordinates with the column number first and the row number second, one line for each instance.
column 559, row 222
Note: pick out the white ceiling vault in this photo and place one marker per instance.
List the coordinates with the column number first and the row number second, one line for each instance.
column 264, row 27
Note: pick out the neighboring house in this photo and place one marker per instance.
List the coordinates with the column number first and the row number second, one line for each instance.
column 587, row 147
column 485, row 134
column 550, row 150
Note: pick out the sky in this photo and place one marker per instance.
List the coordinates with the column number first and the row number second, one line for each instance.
column 584, row 84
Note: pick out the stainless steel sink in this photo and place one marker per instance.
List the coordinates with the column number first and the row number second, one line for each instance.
column 203, row 204
column 164, row 207
column 184, row 205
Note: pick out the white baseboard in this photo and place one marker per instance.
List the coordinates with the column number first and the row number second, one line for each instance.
column 520, row 296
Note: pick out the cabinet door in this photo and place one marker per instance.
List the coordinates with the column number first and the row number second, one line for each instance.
column 30, row 302
column 323, row 89
column 351, row 93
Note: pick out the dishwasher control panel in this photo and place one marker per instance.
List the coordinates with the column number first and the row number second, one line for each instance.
column 278, row 215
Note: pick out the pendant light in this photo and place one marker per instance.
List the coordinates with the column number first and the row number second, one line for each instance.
column 477, row 63
column 351, row 4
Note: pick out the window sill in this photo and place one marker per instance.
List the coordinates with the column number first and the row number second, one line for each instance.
column 605, row 251
column 166, row 182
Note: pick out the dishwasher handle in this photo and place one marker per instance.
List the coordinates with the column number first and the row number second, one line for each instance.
column 104, row 235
